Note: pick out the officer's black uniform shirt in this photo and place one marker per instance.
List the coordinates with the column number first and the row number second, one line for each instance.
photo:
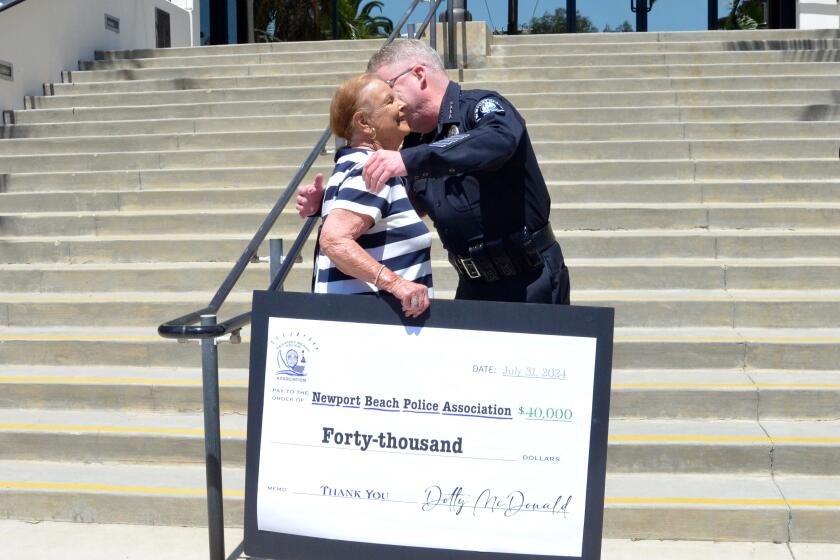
column 476, row 175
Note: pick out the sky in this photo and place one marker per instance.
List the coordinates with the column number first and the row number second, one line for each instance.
column 667, row 15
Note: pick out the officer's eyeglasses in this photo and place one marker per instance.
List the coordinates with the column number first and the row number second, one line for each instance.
column 393, row 80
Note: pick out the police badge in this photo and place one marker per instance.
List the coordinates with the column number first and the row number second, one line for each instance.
column 485, row 106
column 452, row 130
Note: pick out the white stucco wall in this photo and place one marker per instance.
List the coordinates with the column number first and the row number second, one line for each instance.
column 194, row 7
column 818, row 14
column 43, row 37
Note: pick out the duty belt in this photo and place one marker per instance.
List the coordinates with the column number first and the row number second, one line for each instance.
column 516, row 254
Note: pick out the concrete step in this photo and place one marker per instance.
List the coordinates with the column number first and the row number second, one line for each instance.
column 323, row 67
column 104, row 542
column 639, row 244
column 570, row 171
column 715, row 216
column 151, row 179
column 247, row 48
column 612, row 77
column 608, row 71
column 723, row 447
column 107, row 541
column 557, row 58
column 264, row 195
column 754, row 508
column 761, row 86
column 164, row 126
column 740, row 39
column 186, row 110
column 676, row 308
column 288, row 93
column 587, row 274
column 689, row 394
column 674, row 446
column 279, row 101
column 719, row 507
column 544, row 83
column 107, row 493
column 663, row 46
column 718, row 394
column 179, row 159
column 556, row 151
column 614, row 43
column 176, row 84
column 274, row 65
column 716, row 308
column 43, row 122
column 159, row 142
column 635, row 348
column 641, row 132
column 350, row 55
column 140, row 389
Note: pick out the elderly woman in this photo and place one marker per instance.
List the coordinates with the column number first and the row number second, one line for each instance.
column 371, row 242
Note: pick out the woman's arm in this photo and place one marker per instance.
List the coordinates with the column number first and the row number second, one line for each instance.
column 338, row 242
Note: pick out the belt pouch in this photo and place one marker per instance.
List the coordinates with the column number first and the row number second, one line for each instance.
column 500, row 258
column 482, row 261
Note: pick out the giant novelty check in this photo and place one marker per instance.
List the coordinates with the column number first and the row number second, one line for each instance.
column 430, row 436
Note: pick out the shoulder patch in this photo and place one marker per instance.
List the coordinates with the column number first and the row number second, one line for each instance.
column 449, row 141
column 486, row 106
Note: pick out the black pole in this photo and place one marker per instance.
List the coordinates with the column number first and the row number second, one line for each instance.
column 787, row 13
column 335, row 19
column 641, row 15
column 571, row 16
column 451, row 59
column 713, row 14
column 212, row 442
column 275, row 259
column 218, row 22
column 513, row 17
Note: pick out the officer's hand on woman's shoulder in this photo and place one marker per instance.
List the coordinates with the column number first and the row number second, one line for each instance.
column 382, row 166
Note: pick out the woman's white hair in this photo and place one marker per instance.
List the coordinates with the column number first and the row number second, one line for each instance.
column 406, row 51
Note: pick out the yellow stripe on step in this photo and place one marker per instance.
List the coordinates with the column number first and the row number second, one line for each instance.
column 114, row 488
column 721, row 502
column 720, row 385
column 820, row 339
column 115, row 429
column 720, row 439
column 115, row 381
column 95, row 337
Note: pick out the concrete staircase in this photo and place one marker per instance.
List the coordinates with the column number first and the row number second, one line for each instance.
column 694, row 179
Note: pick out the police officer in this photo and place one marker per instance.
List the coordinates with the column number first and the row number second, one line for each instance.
column 471, row 167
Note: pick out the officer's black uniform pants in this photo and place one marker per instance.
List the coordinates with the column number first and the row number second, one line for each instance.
column 548, row 285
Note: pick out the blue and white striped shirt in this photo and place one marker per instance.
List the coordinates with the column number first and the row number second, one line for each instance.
column 399, row 239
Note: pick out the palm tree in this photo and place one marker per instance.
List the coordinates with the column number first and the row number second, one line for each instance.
column 307, row 20
column 356, row 21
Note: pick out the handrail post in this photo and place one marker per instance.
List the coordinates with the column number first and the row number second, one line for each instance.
column 212, row 442
column 451, row 59
column 571, row 16
column 713, row 15
column 433, row 29
column 275, row 259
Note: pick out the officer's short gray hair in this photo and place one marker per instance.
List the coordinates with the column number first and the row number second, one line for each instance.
column 406, row 51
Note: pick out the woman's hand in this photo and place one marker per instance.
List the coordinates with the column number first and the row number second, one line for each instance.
column 414, row 297
column 309, row 197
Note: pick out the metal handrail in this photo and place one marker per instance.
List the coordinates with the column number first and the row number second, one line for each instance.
column 186, row 327
column 10, row 3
